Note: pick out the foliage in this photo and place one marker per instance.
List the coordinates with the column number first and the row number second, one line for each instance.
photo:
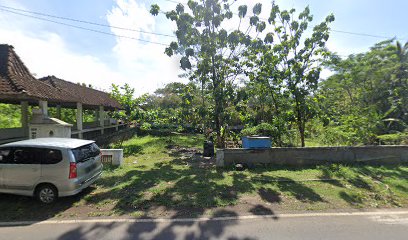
column 263, row 129
column 209, row 52
column 367, row 95
column 146, row 126
column 132, row 106
column 283, row 70
column 394, row 139
column 10, row 116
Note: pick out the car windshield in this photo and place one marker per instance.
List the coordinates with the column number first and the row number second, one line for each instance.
column 86, row 152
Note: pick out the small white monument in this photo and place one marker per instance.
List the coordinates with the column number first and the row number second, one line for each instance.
column 42, row 126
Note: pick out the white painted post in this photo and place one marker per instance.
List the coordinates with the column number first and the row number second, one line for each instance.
column 59, row 111
column 24, row 116
column 79, row 120
column 44, row 107
column 101, row 118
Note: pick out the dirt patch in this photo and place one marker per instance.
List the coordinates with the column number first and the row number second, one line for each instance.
column 191, row 157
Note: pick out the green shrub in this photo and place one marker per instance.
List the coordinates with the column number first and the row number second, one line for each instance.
column 264, row 129
column 394, row 139
column 146, row 126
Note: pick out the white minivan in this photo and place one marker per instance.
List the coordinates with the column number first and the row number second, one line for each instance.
column 48, row 168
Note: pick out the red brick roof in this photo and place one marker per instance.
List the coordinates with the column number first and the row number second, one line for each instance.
column 87, row 96
column 18, row 84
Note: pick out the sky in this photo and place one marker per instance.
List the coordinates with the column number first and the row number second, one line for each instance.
column 100, row 59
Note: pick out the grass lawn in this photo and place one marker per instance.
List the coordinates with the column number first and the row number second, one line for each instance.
column 165, row 177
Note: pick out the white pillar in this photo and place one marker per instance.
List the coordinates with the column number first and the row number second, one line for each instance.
column 24, row 116
column 101, row 118
column 59, row 111
column 44, row 107
column 79, row 119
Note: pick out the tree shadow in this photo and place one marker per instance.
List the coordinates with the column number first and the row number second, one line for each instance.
column 402, row 188
column 269, row 195
column 262, row 210
column 95, row 231
column 17, row 208
column 214, row 228
column 389, row 171
column 132, row 149
column 352, row 199
column 359, row 182
column 299, row 191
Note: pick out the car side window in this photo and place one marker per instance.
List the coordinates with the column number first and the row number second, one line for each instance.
column 51, row 156
column 25, row 156
column 5, row 155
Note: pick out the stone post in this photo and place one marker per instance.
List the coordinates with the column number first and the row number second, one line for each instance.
column 44, row 107
column 59, row 111
column 101, row 118
column 79, row 120
column 24, row 117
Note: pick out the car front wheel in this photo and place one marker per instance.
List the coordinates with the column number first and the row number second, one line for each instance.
column 47, row 193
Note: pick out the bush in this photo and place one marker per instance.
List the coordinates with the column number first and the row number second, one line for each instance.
column 264, row 129
column 394, row 139
column 146, row 126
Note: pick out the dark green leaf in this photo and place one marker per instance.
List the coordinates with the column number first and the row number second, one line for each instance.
column 254, row 20
column 154, row 9
column 180, row 8
column 257, row 9
column 242, row 11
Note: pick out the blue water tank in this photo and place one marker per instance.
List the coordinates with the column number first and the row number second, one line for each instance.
column 256, row 142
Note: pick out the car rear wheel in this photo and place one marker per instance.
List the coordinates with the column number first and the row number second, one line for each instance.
column 47, row 193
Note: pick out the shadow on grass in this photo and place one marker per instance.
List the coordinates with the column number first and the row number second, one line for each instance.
column 352, row 199
column 21, row 208
column 189, row 191
column 269, row 195
column 133, row 149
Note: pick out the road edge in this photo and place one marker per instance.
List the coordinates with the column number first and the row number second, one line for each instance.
column 205, row 219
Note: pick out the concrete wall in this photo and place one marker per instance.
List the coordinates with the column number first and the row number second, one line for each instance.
column 313, row 155
column 12, row 134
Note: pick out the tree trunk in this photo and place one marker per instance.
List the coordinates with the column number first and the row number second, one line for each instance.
column 218, row 105
column 300, row 123
column 302, row 134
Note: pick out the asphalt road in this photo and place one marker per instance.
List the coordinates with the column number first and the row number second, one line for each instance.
column 370, row 226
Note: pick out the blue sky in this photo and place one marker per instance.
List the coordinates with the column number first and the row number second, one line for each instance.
column 82, row 56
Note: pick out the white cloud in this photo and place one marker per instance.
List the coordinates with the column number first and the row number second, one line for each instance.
column 49, row 55
column 146, row 63
column 144, row 66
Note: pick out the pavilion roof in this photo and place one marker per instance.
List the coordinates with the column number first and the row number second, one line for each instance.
column 18, row 84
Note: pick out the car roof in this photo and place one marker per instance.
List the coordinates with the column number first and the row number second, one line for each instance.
column 50, row 142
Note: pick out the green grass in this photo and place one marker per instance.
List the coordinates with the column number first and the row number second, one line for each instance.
column 161, row 179
column 155, row 177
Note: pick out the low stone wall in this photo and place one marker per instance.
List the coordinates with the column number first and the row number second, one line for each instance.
column 12, row 134
column 313, row 155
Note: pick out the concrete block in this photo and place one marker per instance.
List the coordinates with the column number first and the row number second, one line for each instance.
column 112, row 156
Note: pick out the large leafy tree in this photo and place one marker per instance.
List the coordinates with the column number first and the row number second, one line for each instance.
column 286, row 64
column 209, row 51
column 132, row 109
column 368, row 93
